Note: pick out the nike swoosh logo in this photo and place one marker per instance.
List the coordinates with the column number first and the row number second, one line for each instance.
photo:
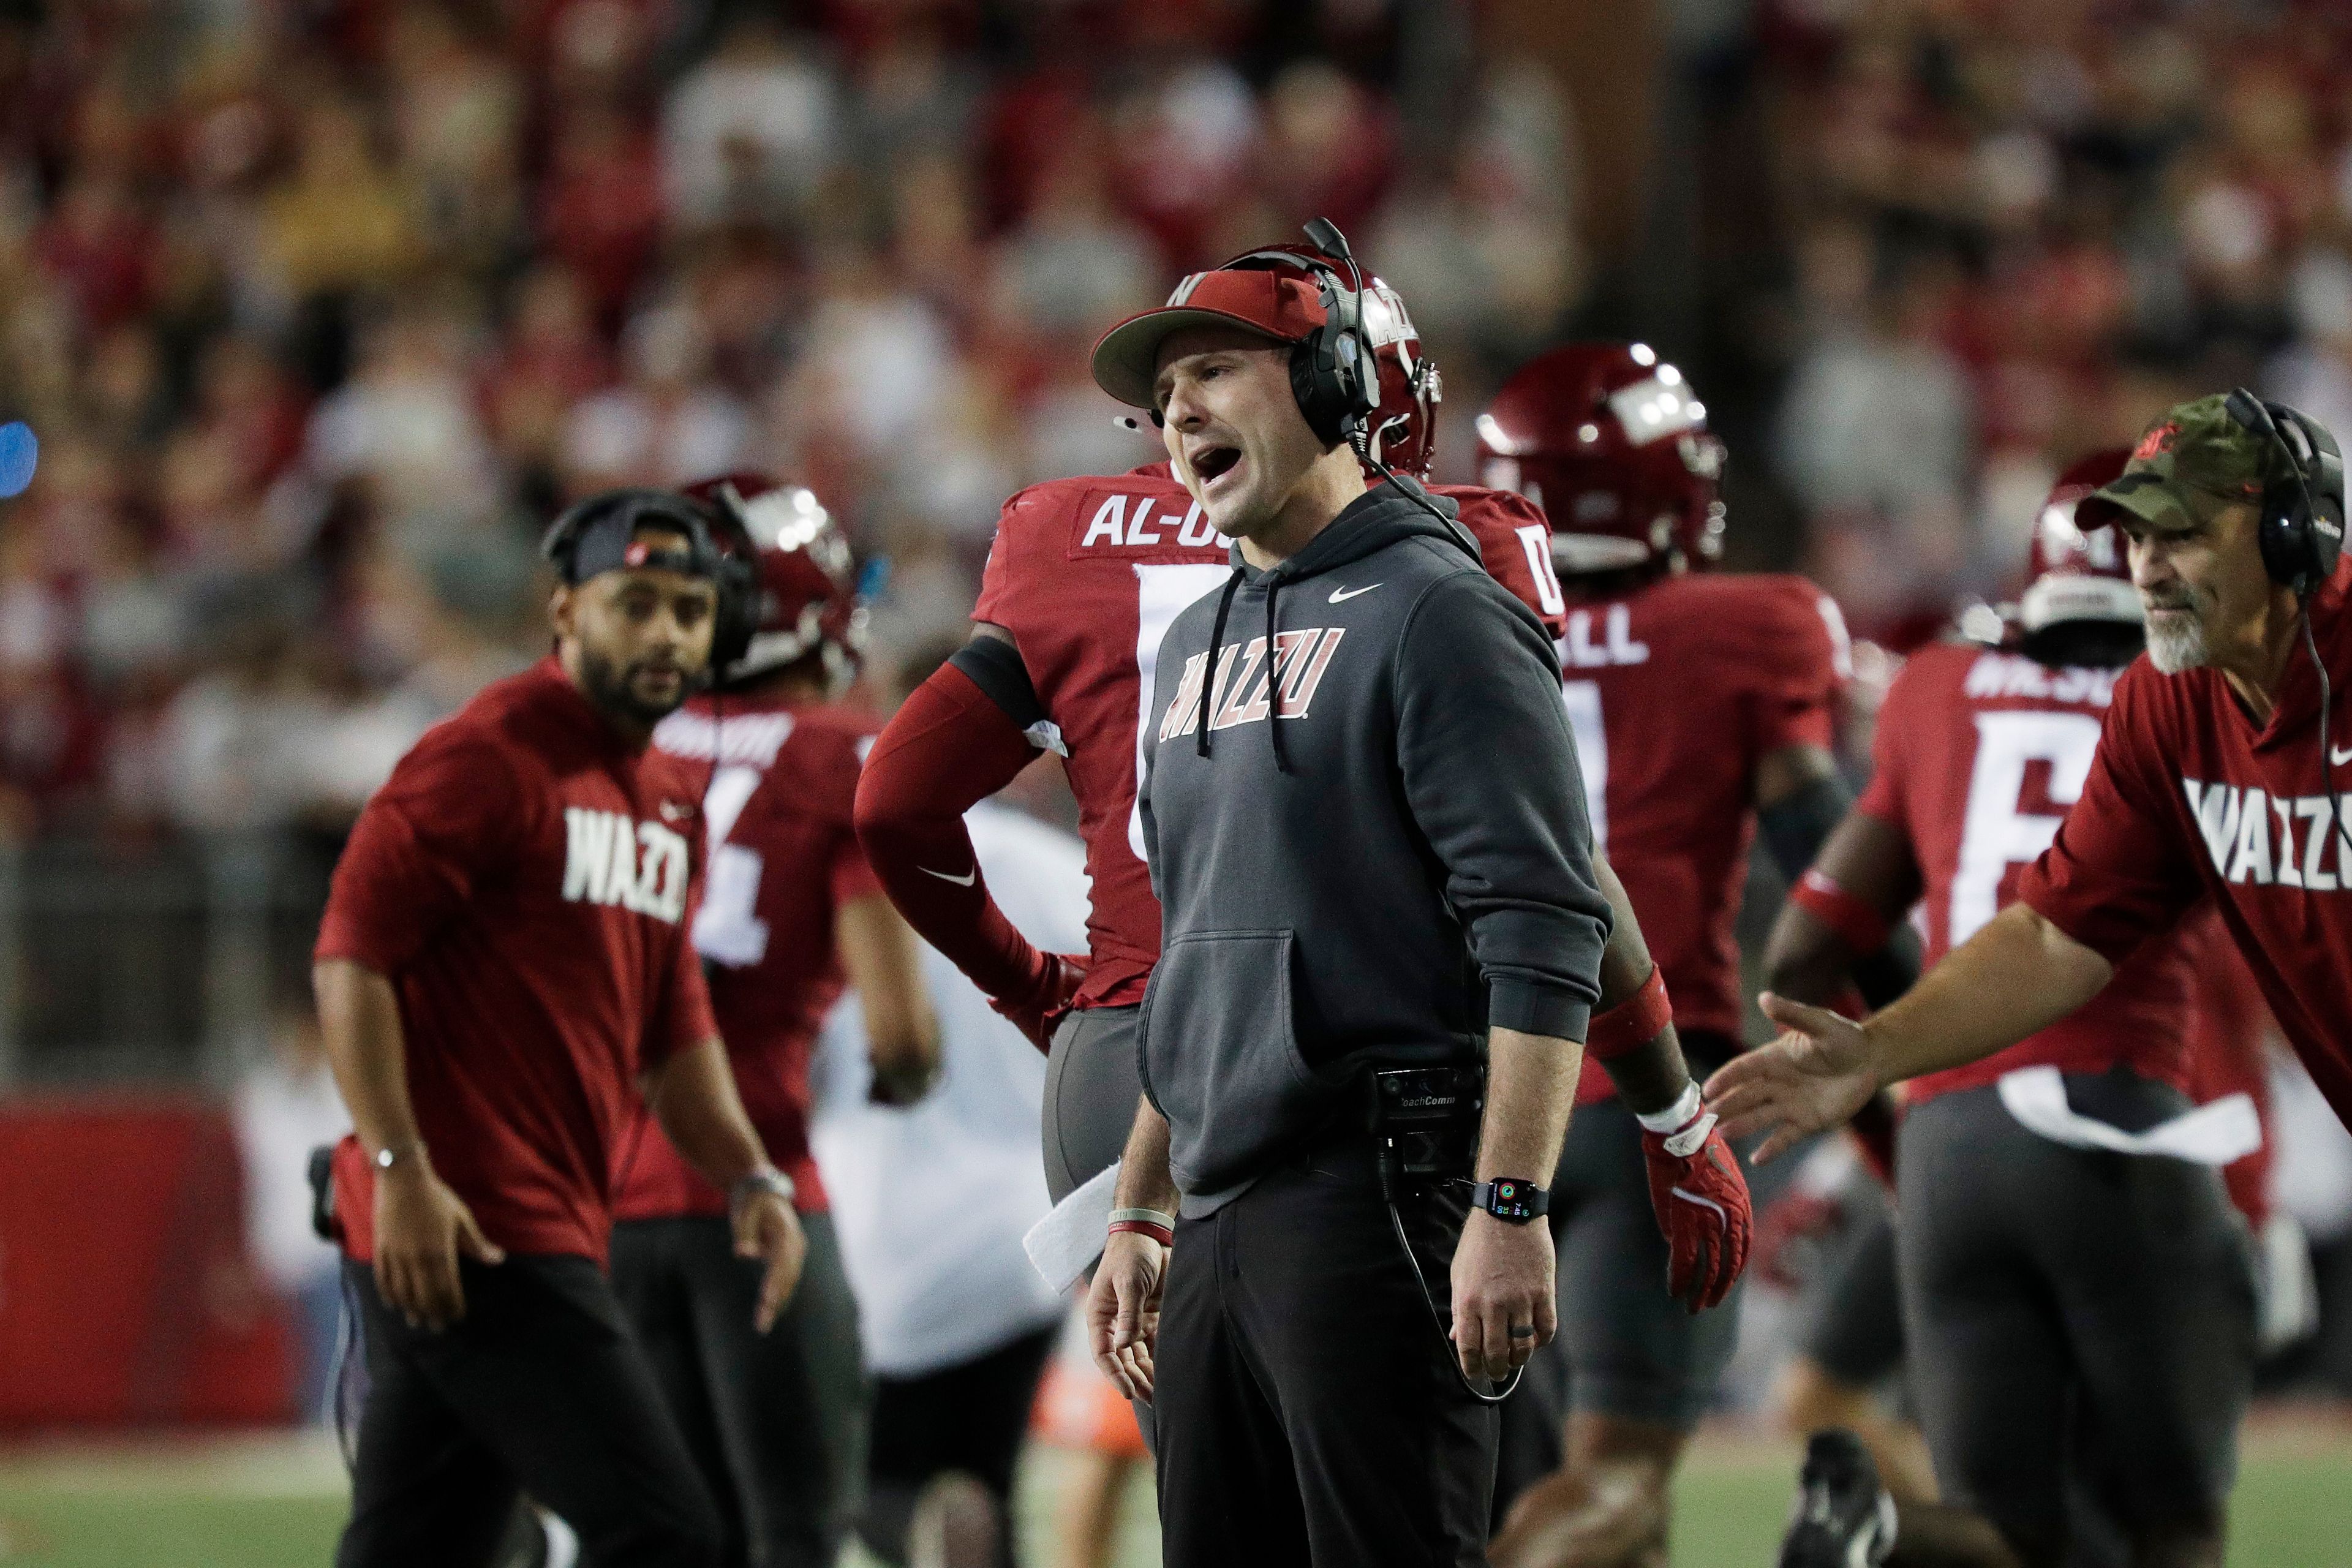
column 1341, row 596
column 966, row 880
column 2338, row 755
column 673, row 812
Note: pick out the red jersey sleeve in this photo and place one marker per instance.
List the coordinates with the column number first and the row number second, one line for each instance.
column 997, row 575
column 2118, row 872
column 1798, row 659
column 1515, row 546
column 1883, row 795
column 444, row 823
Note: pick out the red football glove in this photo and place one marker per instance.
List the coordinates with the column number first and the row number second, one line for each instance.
column 1701, row 1202
column 1039, row 1010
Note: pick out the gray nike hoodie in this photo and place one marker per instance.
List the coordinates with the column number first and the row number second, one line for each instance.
column 1370, row 847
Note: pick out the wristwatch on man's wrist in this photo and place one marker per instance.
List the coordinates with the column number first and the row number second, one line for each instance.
column 766, row 1179
column 1510, row 1200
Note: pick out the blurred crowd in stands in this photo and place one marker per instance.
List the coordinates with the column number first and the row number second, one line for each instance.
column 2015, row 230
column 322, row 307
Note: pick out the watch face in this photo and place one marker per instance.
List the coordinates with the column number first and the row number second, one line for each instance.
column 1508, row 1200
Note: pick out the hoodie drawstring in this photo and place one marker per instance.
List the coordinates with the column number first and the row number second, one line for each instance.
column 1209, row 676
column 1274, row 678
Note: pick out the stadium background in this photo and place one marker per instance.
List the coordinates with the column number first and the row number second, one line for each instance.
column 321, row 306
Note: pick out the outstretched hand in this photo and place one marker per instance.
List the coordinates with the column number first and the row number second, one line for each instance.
column 1815, row 1076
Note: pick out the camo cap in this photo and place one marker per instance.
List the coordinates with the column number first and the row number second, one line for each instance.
column 2196, row 446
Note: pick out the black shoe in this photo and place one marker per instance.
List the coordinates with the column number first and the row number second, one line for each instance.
column 1842, row 1517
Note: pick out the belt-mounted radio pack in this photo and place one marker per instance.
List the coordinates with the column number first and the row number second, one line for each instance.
column 1424, row 1126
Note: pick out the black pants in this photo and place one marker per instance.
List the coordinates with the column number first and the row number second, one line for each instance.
column 539, row 1388
column 2081, row 1322
column 970, row 1417
column 1309, row 1409
column 776, row 1423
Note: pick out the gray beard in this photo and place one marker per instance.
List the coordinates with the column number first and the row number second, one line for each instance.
column 2175, row 646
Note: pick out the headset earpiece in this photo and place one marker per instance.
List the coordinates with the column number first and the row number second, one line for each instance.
column 2301, row 529
column 1332, row 370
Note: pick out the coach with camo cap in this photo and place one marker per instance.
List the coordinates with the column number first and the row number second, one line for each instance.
column 2221, row 771
column 1366, row 825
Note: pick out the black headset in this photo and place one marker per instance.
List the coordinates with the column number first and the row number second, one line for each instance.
column 717, row 547
column 2302, row 527
column 1332, row 372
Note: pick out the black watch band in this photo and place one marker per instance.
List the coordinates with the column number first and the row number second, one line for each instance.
column 1510, row 1200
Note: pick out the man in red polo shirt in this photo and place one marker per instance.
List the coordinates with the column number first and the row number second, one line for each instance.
column 2217, row 775
column 503, row 964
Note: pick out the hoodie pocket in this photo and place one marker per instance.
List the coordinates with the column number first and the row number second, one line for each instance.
column 1218, row 1049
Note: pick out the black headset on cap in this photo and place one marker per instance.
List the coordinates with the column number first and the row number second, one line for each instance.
column 1333, row 373
column 611, row 520
column 2301, row 530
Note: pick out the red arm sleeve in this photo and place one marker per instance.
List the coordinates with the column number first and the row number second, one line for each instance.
column 438, row 828
column 948, row 749
column 2119, row 871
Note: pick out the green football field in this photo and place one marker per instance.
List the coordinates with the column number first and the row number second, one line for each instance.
column 276, row 1503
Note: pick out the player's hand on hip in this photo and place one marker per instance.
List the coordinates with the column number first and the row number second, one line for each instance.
column 768, row 1227
column 1040, row 1013
column 1123, row 1310
column 1506, row 1295
column 421, row 1228
column 1815, row 1076
column 1702, row 1206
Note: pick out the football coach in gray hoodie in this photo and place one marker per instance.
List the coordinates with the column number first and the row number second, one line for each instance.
column 1366, row 825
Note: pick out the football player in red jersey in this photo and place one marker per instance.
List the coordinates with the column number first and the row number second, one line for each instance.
column 789, row 914
column 502, row 966
column 1084, row 577
column 2074, row 1319
column 1703, row 705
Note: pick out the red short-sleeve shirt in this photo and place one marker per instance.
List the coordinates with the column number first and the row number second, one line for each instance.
column 2190, row 796
column 524, row 880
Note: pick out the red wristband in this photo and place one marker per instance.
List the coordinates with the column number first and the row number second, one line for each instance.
column 1632, row 1023
column 1158, row 1233
column 1861, row 927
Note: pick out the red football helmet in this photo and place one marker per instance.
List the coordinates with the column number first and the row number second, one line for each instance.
column 1613, row 445
column 2074, row 574
column 1404, row 425
column 807, row 595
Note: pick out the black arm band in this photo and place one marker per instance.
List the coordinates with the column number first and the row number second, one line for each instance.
column 1883, row 975
column 1795, row 828
column 994, row 665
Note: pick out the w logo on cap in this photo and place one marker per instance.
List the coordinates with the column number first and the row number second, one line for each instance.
column 1184, row 289
column 2158, row 442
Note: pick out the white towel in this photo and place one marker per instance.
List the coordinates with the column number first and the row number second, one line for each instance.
column 1064, row 1244
column 2214, row 1133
